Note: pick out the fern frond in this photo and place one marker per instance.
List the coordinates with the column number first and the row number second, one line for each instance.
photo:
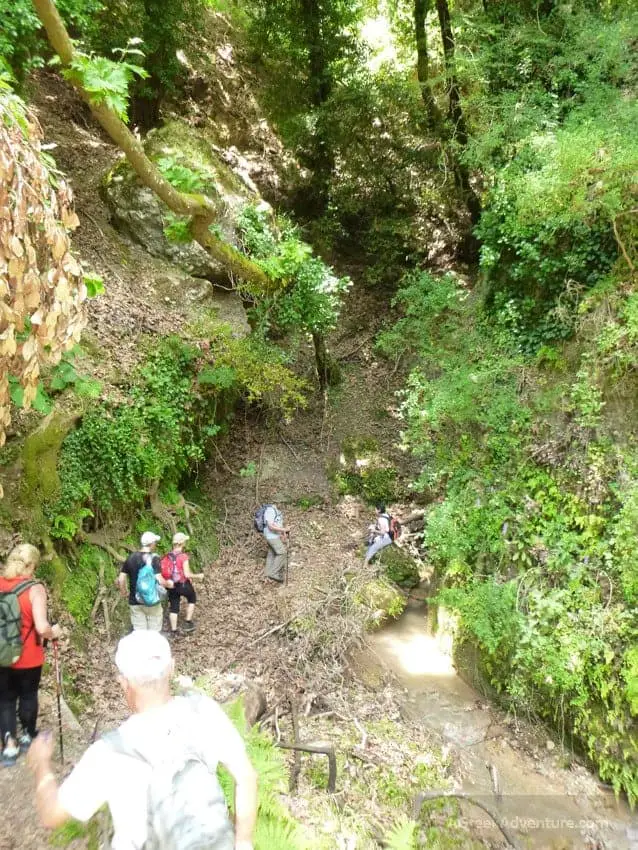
column 402, row 836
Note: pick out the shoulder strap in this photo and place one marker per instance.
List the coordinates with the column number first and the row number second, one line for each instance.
column 24, row 585
column 116, row 742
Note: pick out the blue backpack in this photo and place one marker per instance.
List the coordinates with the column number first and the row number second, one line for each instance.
column 147, row 590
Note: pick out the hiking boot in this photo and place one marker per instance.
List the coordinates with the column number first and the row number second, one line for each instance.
column 24, row 742
column 10, row 753
column 189, row 626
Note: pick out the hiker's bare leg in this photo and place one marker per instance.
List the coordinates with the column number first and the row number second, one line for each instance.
column 190, row 610
column 172, row 619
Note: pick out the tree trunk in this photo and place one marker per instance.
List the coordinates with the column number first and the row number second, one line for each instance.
column 321, row 359
column 454, row 94
column 456, row 111
column 200, row 208
column 423, row 62
column 321, row 159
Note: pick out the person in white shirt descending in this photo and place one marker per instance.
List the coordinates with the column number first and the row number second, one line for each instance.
column 378, row 534
column 157, row 772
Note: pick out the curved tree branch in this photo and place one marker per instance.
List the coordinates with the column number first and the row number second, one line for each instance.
column 507, row 833
column 201, row 209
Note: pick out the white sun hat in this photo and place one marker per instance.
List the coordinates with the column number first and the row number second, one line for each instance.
column 148, row 538
column 180, row 538
column 143, row 654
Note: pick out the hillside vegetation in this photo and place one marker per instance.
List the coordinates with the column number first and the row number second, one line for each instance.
column 474, row 166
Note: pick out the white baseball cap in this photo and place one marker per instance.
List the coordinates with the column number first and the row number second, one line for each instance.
column 180, row 538
column 143, row 655
column 148, row 538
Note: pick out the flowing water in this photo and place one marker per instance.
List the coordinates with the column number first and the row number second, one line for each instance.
column 542, row 793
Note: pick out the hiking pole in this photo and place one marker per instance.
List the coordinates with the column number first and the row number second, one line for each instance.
column 287, row 561
column 58, row 693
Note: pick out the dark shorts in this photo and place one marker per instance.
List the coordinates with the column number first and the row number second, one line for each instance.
column 182, row 588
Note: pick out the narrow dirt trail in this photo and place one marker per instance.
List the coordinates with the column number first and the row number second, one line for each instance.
column 236, row 603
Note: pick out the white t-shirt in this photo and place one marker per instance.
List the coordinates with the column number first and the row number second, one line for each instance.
column 272, row 514
column 105, row 776
column 383, row 524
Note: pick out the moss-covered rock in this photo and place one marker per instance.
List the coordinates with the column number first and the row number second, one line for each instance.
column 382, row 600
column 399, row 567
column 40, row 479
column 185, row 156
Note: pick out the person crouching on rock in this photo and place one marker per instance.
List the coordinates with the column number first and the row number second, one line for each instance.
column 378, row 533
column 176, row 572
column 20, row 678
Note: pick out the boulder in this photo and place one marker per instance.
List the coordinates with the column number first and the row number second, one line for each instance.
column 184, row 291
column 139, row 214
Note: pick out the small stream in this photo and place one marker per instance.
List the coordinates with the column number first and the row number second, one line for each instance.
column 547, row 803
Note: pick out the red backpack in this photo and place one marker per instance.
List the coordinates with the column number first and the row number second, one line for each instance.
column 173, row 566
column 395, row 527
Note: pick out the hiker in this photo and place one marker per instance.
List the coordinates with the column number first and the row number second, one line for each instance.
column 158, row 771
column 20, row 680
column 378, row 534
column 176, row 571
column 145, row 584
column 276, row 535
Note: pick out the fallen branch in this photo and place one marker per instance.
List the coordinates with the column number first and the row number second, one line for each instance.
column 256, row 640
column 296, row 768
column 324, row 748
column 286, row 443
column 621, row 244
column 424, row 796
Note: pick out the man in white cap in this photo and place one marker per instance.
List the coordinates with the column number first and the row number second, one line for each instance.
column 157, row 772
column 143, row 614
column 178, row 577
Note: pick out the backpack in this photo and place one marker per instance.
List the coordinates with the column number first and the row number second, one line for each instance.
column 260, row 518
column 395, row 527
column 11, row 643
column 186, row 809
column 147, row 590
column 171, row 567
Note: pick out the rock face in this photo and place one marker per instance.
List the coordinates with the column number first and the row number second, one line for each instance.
column 182, row 154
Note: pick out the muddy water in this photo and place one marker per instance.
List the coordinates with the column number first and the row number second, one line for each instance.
column 547, row 804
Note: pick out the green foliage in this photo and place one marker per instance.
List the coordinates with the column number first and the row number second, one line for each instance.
column 94, row 285
column 276, row 829
column 180, row 398
column 22, row 45
column 562, row 172
column 399, row 567
column 311, row 296
column 488, row 611
column 533, row 536
column 107, row 82
column 402, row 835
column 81, row 585
column 65, row 375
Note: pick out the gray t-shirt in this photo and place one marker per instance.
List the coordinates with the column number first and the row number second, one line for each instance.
column 274, row 515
